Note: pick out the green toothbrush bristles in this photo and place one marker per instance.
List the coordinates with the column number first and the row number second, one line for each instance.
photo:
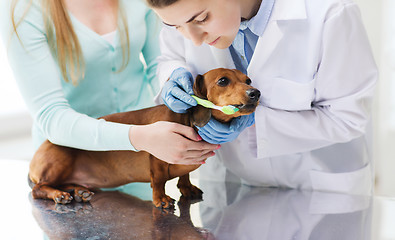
column 229, row 109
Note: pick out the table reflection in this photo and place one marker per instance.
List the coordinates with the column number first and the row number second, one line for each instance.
column 114, row 215
column 242, row 212
column 228, row 211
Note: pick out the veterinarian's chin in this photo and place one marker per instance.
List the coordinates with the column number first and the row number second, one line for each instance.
column 221, row 42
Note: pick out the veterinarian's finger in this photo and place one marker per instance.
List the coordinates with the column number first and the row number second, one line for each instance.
column 242, row 122
column 212, row 138
column 185, row 82
column 216, row 126
column 176, row 105
column 183, row 96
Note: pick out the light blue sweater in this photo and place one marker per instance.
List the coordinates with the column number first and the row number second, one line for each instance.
column 66, row 114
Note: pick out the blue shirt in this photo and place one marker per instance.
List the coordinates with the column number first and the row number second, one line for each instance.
column 250, row 30
column 66, row 114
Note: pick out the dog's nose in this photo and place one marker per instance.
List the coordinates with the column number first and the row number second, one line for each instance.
column 253, row 94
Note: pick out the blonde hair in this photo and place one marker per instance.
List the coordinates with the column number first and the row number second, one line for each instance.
column 63, row 41
column 160, row 3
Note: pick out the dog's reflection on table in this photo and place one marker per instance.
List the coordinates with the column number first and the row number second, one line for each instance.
column 114, row 215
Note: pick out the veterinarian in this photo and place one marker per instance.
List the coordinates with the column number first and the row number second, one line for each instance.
column 75, row 61
column 313, row 64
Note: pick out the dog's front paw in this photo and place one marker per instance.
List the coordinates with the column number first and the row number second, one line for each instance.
column 164, row 202
column 191, row 192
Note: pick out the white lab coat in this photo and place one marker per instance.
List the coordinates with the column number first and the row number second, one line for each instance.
column 316, row 73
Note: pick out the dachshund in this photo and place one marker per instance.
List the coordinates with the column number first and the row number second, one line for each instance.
column 63, row 173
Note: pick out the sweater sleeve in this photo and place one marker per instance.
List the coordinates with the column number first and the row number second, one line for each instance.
column 39, row 81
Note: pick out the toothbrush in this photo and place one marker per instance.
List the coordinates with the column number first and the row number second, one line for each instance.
column 229, row 109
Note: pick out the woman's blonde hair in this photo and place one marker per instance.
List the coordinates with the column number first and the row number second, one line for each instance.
column 160, row 3
column 63, row 41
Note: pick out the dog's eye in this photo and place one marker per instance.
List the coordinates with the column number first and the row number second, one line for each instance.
column 248, row 81
column 223, row 82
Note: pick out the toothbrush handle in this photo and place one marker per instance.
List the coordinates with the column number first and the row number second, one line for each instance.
column 203, row 102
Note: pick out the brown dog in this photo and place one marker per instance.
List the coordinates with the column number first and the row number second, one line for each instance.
column 57, row 171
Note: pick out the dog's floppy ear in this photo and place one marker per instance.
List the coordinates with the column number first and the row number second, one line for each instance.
column 199, row 115
column 199, row 88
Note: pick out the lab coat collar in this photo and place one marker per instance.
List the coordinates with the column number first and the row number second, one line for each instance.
column 289, row 10
column 258, row 23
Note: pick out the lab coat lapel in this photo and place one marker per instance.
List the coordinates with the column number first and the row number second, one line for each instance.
column 283, row 10
column 265, row 46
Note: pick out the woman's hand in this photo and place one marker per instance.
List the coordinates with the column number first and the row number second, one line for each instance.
column 171, row 142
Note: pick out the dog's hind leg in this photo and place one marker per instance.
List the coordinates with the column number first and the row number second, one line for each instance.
column 46, row 192
column 50, row 167
column 80, row 193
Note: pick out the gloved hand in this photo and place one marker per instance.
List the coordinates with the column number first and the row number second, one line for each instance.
column 177, row 90
column 217, row 133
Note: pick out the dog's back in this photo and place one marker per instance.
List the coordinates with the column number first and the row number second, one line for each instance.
column 148, row 116
column 60, row 165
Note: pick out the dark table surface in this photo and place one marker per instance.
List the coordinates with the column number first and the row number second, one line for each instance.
column 228, row 211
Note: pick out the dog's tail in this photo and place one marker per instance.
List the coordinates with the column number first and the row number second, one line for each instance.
column 30, row 182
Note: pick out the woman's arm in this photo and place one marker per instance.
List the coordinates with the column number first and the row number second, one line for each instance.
column 39, row 81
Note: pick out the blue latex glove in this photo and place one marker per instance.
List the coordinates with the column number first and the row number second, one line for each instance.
column 217, row 133
column 177, row 90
